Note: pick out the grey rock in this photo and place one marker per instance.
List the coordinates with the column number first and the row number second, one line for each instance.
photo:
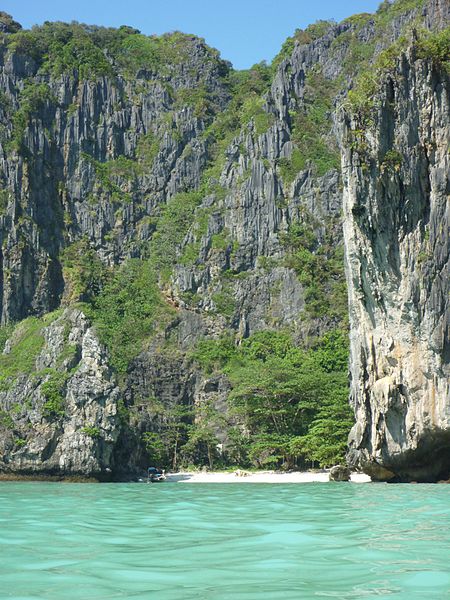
column 79, row 441
column 340, row 473
column 397, row 253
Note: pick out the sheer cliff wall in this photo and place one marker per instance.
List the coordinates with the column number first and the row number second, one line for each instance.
column 396, row 229
column 152, row 198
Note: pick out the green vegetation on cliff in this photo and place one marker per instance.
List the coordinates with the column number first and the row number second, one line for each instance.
column 363, row 97
column 319, row 265
column 53, row 392
column 128, row 310
column 25, row 342
column 83, row 271
column 33, row 98
column 247, row 90
column 311, row 124
column 301, row 37
column 94, row 52
column 435, row 46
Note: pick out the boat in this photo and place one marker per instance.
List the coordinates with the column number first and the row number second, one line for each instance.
column 154, row 475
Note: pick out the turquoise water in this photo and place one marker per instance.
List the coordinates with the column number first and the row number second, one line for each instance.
column 238, row 541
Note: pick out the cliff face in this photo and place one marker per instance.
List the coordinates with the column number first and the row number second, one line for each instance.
column 396, row 224
column 153, row 198
column 55, row 191
column 157, row 173
column 63, row 419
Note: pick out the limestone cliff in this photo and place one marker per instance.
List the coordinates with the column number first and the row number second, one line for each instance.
column 152, row 198
column 63, row 419
column 396, row 228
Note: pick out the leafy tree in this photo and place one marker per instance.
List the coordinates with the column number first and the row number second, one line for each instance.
column 291, row 403
column 269, row 450
column 166, row 446
column 157, row 451
column 202, row 442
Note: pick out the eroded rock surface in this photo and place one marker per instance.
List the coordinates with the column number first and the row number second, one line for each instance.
column 396, row 227
column 64, row 418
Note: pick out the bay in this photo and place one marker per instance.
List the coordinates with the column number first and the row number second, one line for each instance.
column 175, row 541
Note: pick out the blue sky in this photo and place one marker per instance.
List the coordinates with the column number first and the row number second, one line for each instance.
column 245, row 31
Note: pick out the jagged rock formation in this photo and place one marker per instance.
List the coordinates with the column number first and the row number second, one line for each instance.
column 72, row 379
column 396, row 191
column 55, row 190
column 219, row 193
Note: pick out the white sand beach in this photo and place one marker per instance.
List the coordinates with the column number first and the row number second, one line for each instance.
column 259, row 477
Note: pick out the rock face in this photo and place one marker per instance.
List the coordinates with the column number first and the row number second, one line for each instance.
column 65, row 418
column 340, row 473
column 396, row 226
column 96, row 162
column 55, row 192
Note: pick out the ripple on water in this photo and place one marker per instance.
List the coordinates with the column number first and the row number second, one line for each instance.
column 219, row 542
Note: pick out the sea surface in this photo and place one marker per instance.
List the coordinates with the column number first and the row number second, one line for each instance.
column 176, row 541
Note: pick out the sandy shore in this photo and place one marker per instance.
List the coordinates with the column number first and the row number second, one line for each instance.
column 259, row 477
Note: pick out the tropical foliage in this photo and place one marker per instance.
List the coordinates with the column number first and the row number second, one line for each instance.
column 291, row 403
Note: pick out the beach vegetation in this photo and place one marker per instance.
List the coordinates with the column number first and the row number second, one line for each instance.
column 166, row 446
column 292, row 403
